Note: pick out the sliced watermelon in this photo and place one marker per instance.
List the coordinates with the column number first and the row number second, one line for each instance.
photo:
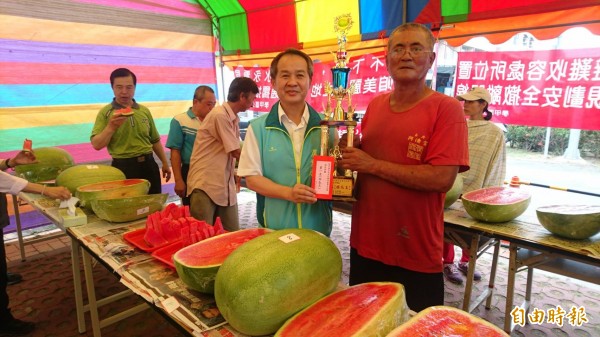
column 197, row 264
column 496, row 204
column 368, row 309
column 446, row 321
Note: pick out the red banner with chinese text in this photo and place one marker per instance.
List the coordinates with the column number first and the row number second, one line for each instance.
column 555, row 88
column 368, row 74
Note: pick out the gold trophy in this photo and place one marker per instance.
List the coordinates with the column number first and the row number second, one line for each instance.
column 342, row 183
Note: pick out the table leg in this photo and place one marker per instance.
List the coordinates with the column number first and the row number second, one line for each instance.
column 75, row 265
column 19, row 228
column 474, row 247
column 510, row 287
column 488, row 302
column 91, row 292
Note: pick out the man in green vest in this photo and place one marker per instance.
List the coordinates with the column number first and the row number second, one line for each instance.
column 278, row 150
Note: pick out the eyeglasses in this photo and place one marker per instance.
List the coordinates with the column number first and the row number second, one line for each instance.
column 413, row 51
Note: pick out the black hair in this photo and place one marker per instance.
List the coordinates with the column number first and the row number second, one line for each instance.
column 488, row 114
column 292, row 51
column 201, row 91
column 122, row 72
column 239, row 86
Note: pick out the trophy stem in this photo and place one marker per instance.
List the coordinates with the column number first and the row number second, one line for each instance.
column 324, row 139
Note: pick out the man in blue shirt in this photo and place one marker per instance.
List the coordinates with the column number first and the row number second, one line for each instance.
column 182, row 134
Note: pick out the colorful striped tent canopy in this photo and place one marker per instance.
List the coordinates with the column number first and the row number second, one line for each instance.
column 246, row 28
column 56, row 58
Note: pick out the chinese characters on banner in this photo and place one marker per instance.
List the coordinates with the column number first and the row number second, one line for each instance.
column 368, row 73
column 555, row 88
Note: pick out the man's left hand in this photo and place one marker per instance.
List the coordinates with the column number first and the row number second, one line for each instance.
column 356, row 160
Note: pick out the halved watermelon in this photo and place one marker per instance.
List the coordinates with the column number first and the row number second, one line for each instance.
column 496, row 204
column 446, row 321
column 111, row 190
column 570, row 221
column 197, row 264
column 368, row 309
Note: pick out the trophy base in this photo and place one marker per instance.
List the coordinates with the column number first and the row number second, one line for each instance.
column 343, row 188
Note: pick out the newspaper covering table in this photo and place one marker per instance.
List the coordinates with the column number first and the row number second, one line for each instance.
column 153, row 280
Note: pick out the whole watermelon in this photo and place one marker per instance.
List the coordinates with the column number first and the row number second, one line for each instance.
column 455, row 191
column 80, row 175
column 272, row 277
column 51, row 161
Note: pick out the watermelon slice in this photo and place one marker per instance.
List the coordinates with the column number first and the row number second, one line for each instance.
column 496, row 204
column 197, row 264
column 446, row 321
column 125, row 111
column 368, row 309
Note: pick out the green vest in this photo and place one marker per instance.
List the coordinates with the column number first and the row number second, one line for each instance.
column 279, row 165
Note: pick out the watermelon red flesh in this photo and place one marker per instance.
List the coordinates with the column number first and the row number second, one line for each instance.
column 365, row 309
column 446, row 321
column 197, row 264
column 497, row 195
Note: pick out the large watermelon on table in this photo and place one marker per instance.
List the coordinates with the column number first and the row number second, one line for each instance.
column 80, row 175
column 51, row 161
column 267, row 280
column 496, row 204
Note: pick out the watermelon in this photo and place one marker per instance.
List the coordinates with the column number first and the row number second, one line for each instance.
column 269, row 279
column 570, row 221
column 111, row 189
column 368, row 309
column 197, row 264
column 80, row 175
column 446, row 321
column 496, row 204
column 51, row 161
column 128, row 208
column 455, row 191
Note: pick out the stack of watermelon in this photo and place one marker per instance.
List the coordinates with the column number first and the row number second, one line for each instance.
column 174, row 223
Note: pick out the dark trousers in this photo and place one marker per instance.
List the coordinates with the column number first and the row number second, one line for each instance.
column 422, row 290
column 185, row 169
column 4, row 311
column 142, row 167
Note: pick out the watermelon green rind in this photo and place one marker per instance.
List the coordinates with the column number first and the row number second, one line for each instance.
column 368, row 309
column 197, row 264
column 496, row 204
column 266, row 281
column 455, row 191
column 570, row 221
column 51, row 162
column 129, row 208
column 446, row 321
column 111, row 190
column 80, row 175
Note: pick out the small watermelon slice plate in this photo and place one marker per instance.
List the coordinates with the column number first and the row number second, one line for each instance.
column 136, row 238
column 165, row 254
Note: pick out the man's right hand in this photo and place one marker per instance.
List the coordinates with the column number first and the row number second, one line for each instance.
column 180, row 188
column 303, row 194
column 116, row 120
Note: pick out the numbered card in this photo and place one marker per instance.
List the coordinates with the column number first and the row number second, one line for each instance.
column 322, row 176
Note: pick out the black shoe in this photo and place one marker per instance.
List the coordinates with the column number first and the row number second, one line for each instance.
column 13, row 278
column 16, row 327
